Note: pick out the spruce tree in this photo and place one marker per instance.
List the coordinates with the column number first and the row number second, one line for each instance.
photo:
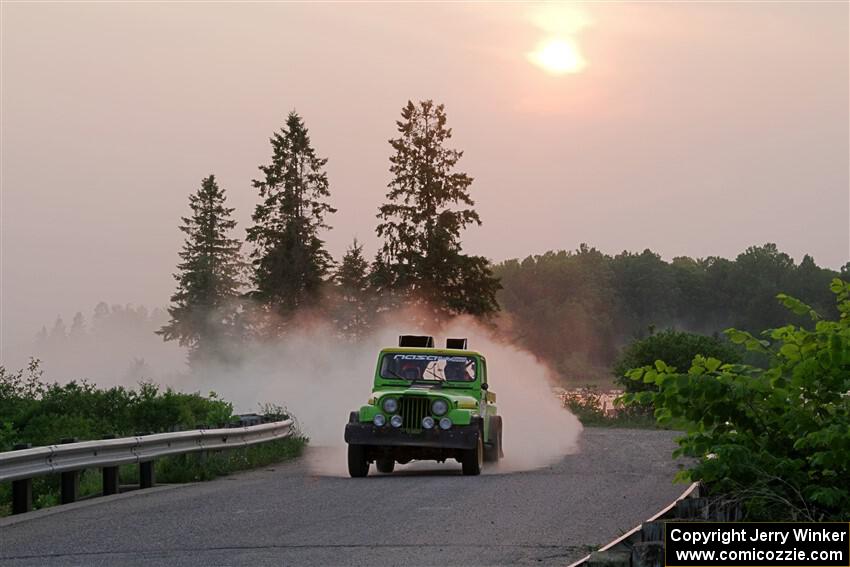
column 289, row 258
column 59, row 332
column 354, row 303
column 209, row 277
column 428, row 206
column 78, row 327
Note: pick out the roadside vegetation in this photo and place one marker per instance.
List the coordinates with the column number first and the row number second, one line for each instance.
column 598, row 408
column 595, row 406
column 772, row 437
column 41, row 413
column 676, row 348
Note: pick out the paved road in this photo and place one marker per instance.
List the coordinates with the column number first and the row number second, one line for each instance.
column 288, row 515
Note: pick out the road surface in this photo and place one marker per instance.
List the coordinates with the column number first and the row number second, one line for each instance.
column 426, row 515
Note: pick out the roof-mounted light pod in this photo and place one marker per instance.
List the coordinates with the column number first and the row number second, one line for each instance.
column 420, row 341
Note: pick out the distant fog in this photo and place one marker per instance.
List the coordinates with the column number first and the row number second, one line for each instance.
column 695, row 129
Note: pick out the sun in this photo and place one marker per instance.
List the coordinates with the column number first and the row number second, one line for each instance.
column 558, row 56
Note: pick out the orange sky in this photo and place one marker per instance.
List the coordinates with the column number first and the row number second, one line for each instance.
column 694, row 129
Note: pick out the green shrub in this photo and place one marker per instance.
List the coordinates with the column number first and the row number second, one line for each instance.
column 42, row 413
column 7, row 434
column 775, row 438
column 676, row 348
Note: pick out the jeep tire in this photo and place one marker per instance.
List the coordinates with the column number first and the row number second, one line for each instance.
column 472, row 459
column 358, row 466
column 385, row 464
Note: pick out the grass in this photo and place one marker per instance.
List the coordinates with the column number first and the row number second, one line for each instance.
column 587, row 406
column 178, row 469
column 625, row 420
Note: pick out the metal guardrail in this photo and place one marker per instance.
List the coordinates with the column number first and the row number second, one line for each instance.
column 68, row 459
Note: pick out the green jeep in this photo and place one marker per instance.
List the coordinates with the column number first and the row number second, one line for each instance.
column 426, row 404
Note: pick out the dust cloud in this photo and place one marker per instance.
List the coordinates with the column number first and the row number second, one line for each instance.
column 321, row 379
column 537, row 430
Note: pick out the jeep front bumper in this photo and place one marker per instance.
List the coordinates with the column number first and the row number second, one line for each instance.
column 458, row 437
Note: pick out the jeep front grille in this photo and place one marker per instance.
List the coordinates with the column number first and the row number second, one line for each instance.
column 412, row 411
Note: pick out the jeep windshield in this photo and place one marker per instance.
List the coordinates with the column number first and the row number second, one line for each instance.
column 419, row 367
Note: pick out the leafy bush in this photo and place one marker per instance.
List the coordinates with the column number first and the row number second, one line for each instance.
column 7, row 434
column 41, row 413
column 776, row 439
column 676, row 348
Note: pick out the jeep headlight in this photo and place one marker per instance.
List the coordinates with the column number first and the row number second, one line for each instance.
column 439, row 407
column 379, row 420
column 390, row 405
column 445, row 423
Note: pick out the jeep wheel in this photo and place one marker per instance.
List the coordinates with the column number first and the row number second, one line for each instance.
column 358, row 466
column 385, row 465
column 473, row 459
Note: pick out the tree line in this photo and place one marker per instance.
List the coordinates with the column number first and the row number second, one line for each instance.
column 577, row 309
column 573, row 309
column 224, row 295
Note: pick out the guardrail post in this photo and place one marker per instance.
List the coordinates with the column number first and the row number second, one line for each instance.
column 147, row 475
column 21, row 489
column 692, row 508
column 649, row 552
column 110, row 480
column 70, row 484
column 110, row 476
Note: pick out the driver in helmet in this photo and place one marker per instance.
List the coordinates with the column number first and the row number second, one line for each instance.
column 456, row 371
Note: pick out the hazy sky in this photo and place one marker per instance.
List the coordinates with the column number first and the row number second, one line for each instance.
column 692, row 129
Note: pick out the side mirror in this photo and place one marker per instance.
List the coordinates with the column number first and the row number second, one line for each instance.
column 484, row 386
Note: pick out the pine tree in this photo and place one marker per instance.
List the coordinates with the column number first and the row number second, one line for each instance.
column 59, row 332
column 428, row 207
column 290, row 261
column 209, row 278
column 78, row 327
column 354, row 305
